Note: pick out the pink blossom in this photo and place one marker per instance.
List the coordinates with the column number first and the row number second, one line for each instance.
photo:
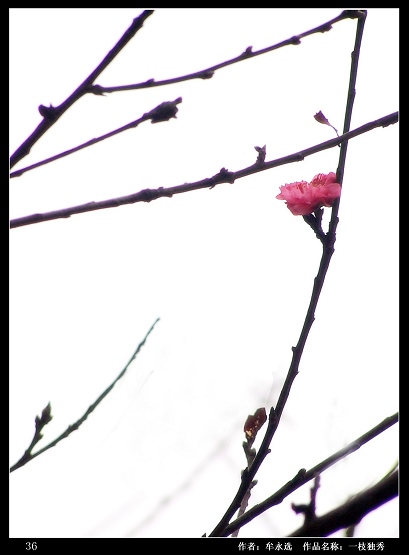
column 302, row 198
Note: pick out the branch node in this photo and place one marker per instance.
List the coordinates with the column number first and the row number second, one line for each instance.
column 49, row 113
column 96, row 89
column 147, row 195
column 226, row 175
column 247, row 53
column 354, row 14
column 162, row 192
column 325, row 27
column 206, row 74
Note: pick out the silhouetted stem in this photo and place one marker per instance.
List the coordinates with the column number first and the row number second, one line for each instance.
column 328, row 250
column 247, row 54
column 351, row 512
column 304, row 476
column 52, row 113
column 29, row 456
column 163, row 112
column 224, row 176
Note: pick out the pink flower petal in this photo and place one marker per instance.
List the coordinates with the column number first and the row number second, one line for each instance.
column 303, row 198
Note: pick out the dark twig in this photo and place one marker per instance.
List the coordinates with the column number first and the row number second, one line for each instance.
column 308, row 510
column 248, row 53
column 52, row 113
column 163, row 112
column 224, row 176
column 251, row 428
column 304, row 476
column 351, row 512
column 29, row 456
column 328, row 251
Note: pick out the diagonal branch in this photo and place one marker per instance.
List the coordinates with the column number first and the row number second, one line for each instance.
column 304, row 476
column 51, row 114
column 224, row 176
column 29, row 456
column 248, row 53
column 163, row 112
column 353, row 511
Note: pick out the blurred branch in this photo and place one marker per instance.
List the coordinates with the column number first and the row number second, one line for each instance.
column 224, row 176
column 29, row 456
column 328, row 243
column 351, row 512
column 304, row 476
column 248, row 53
column 251, row 428
column 163, row 112
column 52, row 113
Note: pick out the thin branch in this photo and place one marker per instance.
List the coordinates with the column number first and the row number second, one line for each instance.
column 163, row 112
column 248, row 53
column 308, row 510
column 351, row 512
column 224, row 176
column 251, row 428
column 348, row 116
column 29, row 456
column 52, row 113
column 328, row 250
column 304, row 476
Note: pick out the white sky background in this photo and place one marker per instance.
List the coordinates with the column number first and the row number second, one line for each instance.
column 228, row 271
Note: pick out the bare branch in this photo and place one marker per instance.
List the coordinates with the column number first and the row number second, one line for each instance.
column 304, row 476
column 52, row 113
column 328, row 243
column 351, row 512
column 163, row 112
column 224, row 176
column 245, row 55
column 29, row 456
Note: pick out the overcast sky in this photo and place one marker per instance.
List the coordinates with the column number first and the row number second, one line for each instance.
column 229, row 271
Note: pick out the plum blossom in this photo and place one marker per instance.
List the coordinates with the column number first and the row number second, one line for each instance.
column 303, row 198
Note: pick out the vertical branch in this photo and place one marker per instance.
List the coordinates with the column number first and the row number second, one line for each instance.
column 328, row 249
column 348, row 116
